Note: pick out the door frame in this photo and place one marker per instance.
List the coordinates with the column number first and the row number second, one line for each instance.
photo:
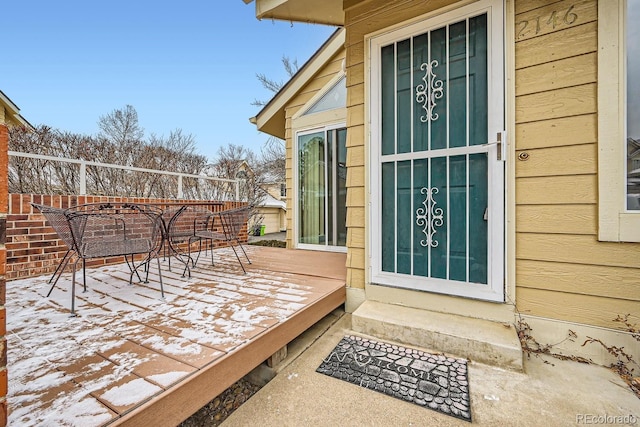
column 495, row 289
column 296, row 187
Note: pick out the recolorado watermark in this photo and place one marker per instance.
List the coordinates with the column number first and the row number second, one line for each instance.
column 596, row 419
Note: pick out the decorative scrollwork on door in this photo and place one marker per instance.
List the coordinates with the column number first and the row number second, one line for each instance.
column 427, row 93
column 429, row 217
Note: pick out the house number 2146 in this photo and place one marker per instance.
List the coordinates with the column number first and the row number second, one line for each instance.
column 525, row 28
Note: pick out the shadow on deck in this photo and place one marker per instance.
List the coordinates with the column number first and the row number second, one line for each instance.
column 131, row 358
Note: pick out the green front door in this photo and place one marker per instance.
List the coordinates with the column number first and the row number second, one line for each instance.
column 437, row 183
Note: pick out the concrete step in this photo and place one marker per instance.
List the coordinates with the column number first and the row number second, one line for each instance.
column 478, row 340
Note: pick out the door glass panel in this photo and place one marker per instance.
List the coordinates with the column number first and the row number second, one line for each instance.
column 404, row 95
column 439, row 252
column 322, row 187
column 311, row 182
column 331, row 203
column 420, row 251
column 478, row 216
column 388, row 224
column 341, row 187
column 388, row 100
column 478, row 90
column 439, row 53
column 404, row 217
column 457, row 84
column 420, row 56
column 458, row 218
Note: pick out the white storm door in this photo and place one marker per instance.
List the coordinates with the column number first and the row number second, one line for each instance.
column 437, row 184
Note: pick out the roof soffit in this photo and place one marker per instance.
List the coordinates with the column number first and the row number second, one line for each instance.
column 327, row 12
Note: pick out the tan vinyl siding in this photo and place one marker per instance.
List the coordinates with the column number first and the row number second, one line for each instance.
column 324, row 76
column 562, row 270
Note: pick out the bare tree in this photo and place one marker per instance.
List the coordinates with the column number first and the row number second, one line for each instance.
column 291, row 68
column 118, row 143
column 238, row 162
column 272, row 161
column 121, row 126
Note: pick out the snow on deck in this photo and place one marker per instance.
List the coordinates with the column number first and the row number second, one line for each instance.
column 128, row 345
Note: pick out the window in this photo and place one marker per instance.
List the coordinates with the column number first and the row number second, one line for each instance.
column 336, row 97
column 618, row 121
column 322, row 189
column 283, row 190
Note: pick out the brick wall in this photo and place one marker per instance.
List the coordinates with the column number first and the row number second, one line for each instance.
column 33, row 247
column 4, row 180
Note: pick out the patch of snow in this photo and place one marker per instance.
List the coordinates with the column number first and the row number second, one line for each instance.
column 130, row 393
column 168, row 378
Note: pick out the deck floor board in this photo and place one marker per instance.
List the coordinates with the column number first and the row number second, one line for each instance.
column 131, row 357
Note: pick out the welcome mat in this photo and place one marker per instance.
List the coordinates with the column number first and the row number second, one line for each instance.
column 433, row 381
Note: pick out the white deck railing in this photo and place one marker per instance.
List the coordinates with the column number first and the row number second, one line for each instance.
column 84, row 163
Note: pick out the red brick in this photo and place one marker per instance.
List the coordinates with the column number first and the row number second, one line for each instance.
column 16, row 203
column 3, row 413
column 3, row 376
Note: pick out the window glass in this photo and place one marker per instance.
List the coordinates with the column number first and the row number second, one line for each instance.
column 336, row 97
column 322, row 190
column 633, row 105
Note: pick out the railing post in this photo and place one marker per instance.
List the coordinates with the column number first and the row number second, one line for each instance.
column 180, row 187
column 83, row 178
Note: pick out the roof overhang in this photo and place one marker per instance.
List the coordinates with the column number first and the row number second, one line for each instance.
column 271, row 119
column 327, row 12
column 12, row 112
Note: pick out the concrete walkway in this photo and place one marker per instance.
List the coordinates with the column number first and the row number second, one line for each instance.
column 557, row 393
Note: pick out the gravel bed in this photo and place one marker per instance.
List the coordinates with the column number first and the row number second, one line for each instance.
column 215, row 412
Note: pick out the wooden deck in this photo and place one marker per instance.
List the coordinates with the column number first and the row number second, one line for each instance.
column 131, row 358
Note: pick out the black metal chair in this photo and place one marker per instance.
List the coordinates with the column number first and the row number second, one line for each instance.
column 224, row 226
column 102, row 230
column 181, row 234
column 58, row 221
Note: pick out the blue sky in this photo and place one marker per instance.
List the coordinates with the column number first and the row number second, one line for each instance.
column 190, row 65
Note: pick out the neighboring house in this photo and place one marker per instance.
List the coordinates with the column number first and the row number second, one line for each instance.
column 271, row 210
column 9, row 116
column 470, row 157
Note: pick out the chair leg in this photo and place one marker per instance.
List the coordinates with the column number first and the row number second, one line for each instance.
column 160, row 276
column 63, row 265
column 243, row 251
column 235, row 252
column 63, row 261
column 132, row 267
column 73, row 288
column 84, row 274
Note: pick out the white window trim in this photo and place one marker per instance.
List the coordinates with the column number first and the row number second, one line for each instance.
column 615, row 222
column 294, row 197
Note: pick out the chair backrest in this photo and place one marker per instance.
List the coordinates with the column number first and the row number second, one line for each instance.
column 106, row 225
column 185, row 222
column 234, row 221
column 58, row 221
